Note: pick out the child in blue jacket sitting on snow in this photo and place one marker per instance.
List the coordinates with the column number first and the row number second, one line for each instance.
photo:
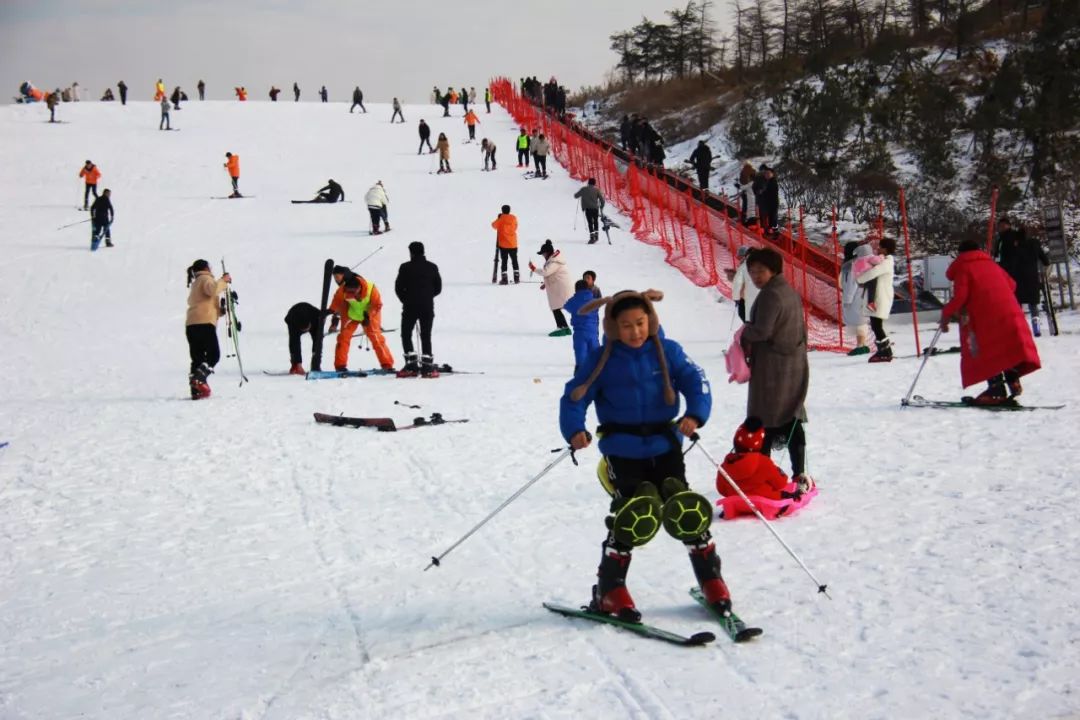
column 586, row 325
column 635, row 380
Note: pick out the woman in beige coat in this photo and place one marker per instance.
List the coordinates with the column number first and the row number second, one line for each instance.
column 443, row 146
column 203, row 312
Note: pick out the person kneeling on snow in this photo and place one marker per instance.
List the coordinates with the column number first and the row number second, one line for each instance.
column 586, row 324
column 758, row 477
column 635, row 382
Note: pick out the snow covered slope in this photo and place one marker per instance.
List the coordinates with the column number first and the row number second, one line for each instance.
column 162, row 558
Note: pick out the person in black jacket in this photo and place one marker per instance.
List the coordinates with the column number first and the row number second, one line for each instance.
column 357, row 99
column 425, row 137
column 331, row 193
column 701, row 159
column 624, row 132
column 122, row 87
column 302, row 318
column 418, row 282
column 101, row 217
column 771, row 196
column 1023, row 258
column 296, row 92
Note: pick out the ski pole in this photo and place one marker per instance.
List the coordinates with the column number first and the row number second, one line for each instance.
column 366, row 257
column 575, row 217
column 80, row 222
column 821, row 587
column 926, row 356
column 568, row 452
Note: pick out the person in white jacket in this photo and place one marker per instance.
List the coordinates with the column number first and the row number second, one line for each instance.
column 558, row 284
column 882, row 276
column 743, row 291
column 377, row 200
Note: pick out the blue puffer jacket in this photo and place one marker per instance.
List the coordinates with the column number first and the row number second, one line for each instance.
column 630, row 391
column 589, row 322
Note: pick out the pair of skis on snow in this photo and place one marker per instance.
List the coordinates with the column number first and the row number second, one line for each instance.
column 443, row 369
column 730, row 623
column 969, row 402
column 383, row 424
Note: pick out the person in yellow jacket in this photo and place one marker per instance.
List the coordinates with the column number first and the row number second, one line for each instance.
column 203, row 312
column 159, row 91
column 523, row 148
column 472, row 121
column 358, row 303
column 232, row 165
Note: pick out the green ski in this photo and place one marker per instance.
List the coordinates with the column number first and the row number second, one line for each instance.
column 735, row 628
column 695, row 640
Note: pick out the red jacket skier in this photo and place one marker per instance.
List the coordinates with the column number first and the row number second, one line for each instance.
column 995, row 340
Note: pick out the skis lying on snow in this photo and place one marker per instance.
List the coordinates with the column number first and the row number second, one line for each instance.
column 969, row 402
column 443, row 369
column 383, row 424
column 334, row 374
column 230, row 197
column 649, row 631
column 735, row 628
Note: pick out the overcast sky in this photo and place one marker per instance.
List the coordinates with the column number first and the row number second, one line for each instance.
column 390, row 47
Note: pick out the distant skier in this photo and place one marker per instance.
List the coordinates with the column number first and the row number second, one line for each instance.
column 487, row 99
column 159, row 90
column 377, row 201
column 425, row 138
column 471, row 121
column 358, row 304
column 330, row 193
column 523, row 149
column 444, row 100
column 464, row 98
column 638, row 376
column 90, row 175
column 325, row 96
column 296, row 92
column 557, row 285
column 176, row 98
column 202, row 90
column 397, row 112
column 540, row 150
column 122, row 87
column 358, row 100
column 443, row 146
column 51, row 101
column 586, row 325
column 995, row 341
column 506, row 242
column 164, row 124
column 488, row 148
column 592, row 204
column 418, row 282
column 701, row 159
column 101, row 219
column 1023, row 258
column 274, row 92
column 472, row 95
column 302, row 318
column 232, row 165
column 202, row 318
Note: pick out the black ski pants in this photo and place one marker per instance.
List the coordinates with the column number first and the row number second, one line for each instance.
column 792, row 433
column 592, row 219
column 376, row 214
column 489, row 157
column 295, row 356
column 703, row 178
column 397, row 114
column 123, row 97
column 541, row 164
column 355, row 104
column 235, row 184
column 425, row 141
column 203, row 345
column 523, row 156
column 488, row 103
column 472, row 132
column 878, row 326
column 509, row 254
column 409, row 318
column 86, row 193
column 560, row 319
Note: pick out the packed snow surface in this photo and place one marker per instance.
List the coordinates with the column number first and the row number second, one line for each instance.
column 229, row 558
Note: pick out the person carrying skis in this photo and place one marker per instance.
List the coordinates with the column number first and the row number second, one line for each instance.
column 232, row 165
column 90, row 175
column 358, row 303
column 523, row 148
column 425, row 138
column 397, row 112
column 357, row 99
column 201, row 324
column 774, row 343
column 377, row 200
column 1023, row 258
column 995, row 341
column 592, row 204
column 506, row 226
column 635, row 379
column 540, row 149
column 586, row 325
column 101, row 218
column 164, row 124
column 487, row 147
column 443, row 146
column 471, row 120
column 302, row 318
column 418, row 282
column 701, row 159
column 556, row 284
column 331, row 193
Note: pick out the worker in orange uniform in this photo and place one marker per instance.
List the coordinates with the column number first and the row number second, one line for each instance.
column 506, row 226
column 90, row 174
column 472, row 121
column 357, row 303
column 232, row 164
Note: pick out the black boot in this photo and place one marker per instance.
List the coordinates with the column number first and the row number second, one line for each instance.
column 609, row 593
column 410, row 369
column 706, row 564
column 427, row 367
column 517, row 277
column 884, row 352
column 504, row 281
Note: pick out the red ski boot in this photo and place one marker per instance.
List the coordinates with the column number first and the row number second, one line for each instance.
column 297, row 369
column 610, row 594
column 706, row 564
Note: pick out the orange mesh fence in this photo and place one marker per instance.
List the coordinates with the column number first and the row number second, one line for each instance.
column 699, row 232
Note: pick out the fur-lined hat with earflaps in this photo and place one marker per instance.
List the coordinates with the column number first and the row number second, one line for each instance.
column 611, row 332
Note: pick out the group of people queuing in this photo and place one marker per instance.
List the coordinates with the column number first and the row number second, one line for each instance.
column 758, row 193
column 462, row 97
column 550, row 95
column 535, row 146
column 638, row 137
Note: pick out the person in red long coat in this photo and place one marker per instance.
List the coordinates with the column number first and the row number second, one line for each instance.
column 995, row 340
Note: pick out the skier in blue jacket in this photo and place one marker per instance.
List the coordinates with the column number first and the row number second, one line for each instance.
column 586, row 326
column 635, row 379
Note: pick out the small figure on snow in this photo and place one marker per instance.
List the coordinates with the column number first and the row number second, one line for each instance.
column 202, row 318
column 164, row 123
column 487, row 147
column 397, row 112
column 635, row 380
column 523, row 149
column 358, row 100
column 443, row 146
column 425, row 138
column 232, row 166
column 418, row 282
column 101, row 219
column 592, row 204
column 471, row 120
column 325, row 96
column 556, row 284
column 377, row 201
column 90, row 175
column 506, row 244
column 995, row 341
column 330, row 193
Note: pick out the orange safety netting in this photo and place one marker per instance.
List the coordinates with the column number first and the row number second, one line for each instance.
column 699, row 232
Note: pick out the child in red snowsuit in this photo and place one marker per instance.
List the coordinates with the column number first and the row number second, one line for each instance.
column 758, row 477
